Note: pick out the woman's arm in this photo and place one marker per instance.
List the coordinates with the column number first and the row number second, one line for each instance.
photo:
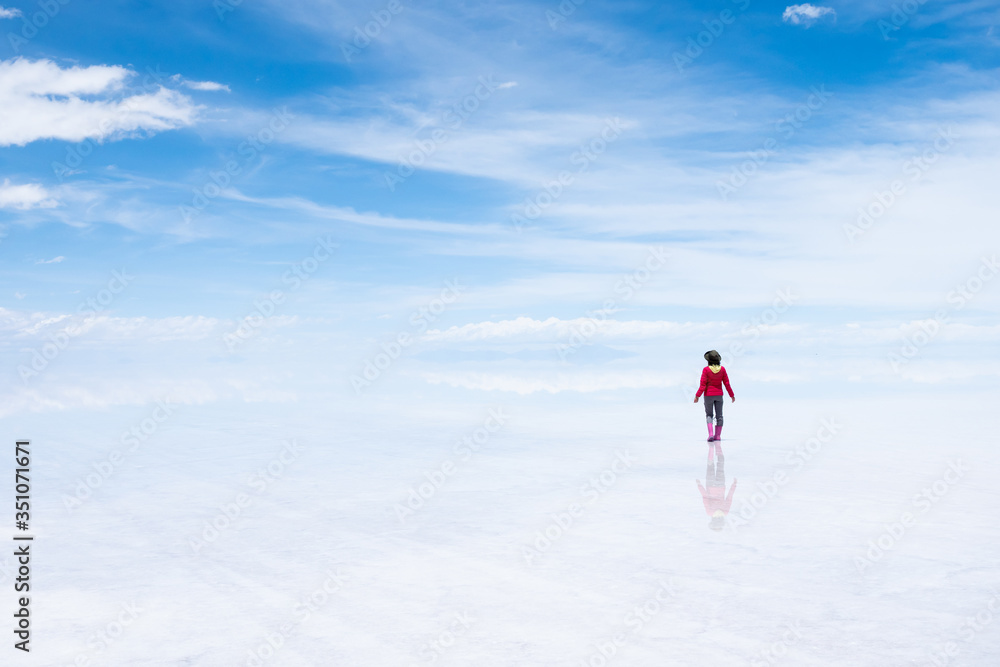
column 703, row 384
column 725, row 378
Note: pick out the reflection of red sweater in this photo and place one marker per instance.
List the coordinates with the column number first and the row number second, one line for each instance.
column 711, row 383
column 712, row 497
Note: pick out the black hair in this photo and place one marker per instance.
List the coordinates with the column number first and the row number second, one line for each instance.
column 713, row 358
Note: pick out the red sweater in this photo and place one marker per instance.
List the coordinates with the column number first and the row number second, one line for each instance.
column 712, row 498
column 711, row 383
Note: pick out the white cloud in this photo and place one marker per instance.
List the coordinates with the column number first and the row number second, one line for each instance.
column 23, row 197
column 554, row 383
column 54, row 260
column 806, row 14
column 41, row 100
column 200, row 85
column 585, row 382
column 112, row 330
column 6, row 13
column 555, row 329
column 34, row 325
column 102, row 394
column 152, row 330
column 206, row 85
column 645, row 337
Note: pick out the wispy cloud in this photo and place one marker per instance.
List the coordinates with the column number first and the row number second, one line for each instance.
column 54, row 260
column 346, row 214
column 806, row 14
column 9, row 13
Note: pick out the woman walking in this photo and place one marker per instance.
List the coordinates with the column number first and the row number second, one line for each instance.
column 713, row 377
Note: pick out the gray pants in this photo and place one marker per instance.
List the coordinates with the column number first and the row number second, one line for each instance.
column 713, row 403
column 715, row 475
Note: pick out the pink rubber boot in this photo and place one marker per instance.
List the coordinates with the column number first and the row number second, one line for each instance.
column 711, row 438
column 718, row 433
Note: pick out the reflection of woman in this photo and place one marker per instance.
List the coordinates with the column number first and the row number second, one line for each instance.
column 712, row 378
column 716, row 505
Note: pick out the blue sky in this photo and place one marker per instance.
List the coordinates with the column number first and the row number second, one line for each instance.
column 181, row 86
